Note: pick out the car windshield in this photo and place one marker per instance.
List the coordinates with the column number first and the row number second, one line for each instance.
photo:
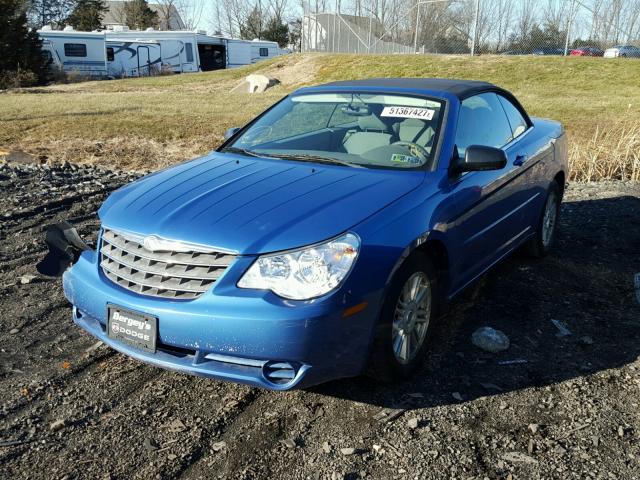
column 354, row 129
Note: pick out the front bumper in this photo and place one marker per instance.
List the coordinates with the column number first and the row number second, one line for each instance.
column 234, row 334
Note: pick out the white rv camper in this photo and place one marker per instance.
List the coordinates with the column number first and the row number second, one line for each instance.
column 263, row 50
column 121, row 52
column 187, row 51
column 182, row 51
column 133, row 59
column 245, row 52
column 72, row 51
column 179, row 48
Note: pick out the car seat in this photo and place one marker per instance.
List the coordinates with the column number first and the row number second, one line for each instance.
column 415, row 131
column 372, row 133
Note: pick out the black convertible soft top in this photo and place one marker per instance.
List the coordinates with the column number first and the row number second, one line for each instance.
column 459, row 88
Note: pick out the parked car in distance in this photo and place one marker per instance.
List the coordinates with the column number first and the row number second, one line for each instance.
column 586, row 52
column 324, row 238
column 622, row 51
column 548, row 51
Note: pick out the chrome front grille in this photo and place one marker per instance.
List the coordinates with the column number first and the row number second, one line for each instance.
column 184, row 274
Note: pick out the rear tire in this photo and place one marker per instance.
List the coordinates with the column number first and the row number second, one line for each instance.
column 546, row 229
column 406, row 320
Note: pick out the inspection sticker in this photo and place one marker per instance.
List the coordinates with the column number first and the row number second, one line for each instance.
column 399, row 158
column 408, row 112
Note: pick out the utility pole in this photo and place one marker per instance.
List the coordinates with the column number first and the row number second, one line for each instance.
column 315, row 18
column 370, row 24
column 260, row 22
column 569, row 25
column 415, row 40
column 475, row 29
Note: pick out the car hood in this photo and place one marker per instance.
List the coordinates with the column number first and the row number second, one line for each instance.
column 253, row 205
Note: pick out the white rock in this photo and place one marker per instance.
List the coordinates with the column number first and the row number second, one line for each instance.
column 490, row 339
column 255, row 84
column 25, row 279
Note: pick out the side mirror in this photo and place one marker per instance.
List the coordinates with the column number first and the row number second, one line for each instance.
column 230, row 133
column 479, row 157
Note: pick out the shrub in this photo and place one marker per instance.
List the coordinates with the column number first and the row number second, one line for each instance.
column 17, row 79
column 612, row 153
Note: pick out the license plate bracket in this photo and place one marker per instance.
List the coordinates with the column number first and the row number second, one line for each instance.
column 137, row 329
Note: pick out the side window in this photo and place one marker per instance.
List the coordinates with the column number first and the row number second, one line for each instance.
column 482, row 121
column 264, row 52
column 110, row 55
column 516, row 120
column 75, row 50
column 188, row 47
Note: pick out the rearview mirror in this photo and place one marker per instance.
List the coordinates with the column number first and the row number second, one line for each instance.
column 480, row 157
column 230, row 133
column 356, row 110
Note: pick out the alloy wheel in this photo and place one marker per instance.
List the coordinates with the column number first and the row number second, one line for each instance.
column 549, row 219
column 411, row 317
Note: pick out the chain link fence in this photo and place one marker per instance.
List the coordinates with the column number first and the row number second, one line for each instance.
column 472, row 27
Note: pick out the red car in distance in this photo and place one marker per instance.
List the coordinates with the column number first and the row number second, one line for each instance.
column 586, row 52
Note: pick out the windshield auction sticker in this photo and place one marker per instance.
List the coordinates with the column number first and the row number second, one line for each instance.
column 408, row 112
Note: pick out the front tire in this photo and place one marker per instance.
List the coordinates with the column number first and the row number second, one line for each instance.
column 406, row 320
column 540, row 245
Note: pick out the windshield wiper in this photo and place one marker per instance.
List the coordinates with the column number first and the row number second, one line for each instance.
column 303, row 157
column 242, row 151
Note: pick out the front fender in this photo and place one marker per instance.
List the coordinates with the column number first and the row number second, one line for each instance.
column 405, row 225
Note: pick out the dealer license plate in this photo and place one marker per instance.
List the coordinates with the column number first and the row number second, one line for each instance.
column 136, row 329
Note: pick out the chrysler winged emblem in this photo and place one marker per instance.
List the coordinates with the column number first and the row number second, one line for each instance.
column 157, row 244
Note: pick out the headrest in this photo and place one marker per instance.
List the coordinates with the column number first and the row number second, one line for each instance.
column 371, row 122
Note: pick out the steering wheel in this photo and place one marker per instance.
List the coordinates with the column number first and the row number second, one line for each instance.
column 416, row 150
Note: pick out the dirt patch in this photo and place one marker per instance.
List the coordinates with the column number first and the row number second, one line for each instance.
column 295, row 70
column 551, row 406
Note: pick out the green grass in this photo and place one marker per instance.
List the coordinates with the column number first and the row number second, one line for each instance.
column 150, row 122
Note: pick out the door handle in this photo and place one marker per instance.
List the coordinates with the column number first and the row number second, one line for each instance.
column 520, row 159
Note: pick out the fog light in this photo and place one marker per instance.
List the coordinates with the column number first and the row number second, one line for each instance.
column 279, row 373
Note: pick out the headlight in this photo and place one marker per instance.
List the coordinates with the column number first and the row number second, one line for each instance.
column 306, row 273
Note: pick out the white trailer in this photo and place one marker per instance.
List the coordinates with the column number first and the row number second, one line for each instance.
column 133, row 59
column 263, row 50
column 192, row 51
column 80, row 52
column 122, row 52
column 246, row 52
column 179, row 48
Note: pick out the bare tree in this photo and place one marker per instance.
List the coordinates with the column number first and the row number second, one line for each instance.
column 504, row 20
column 190, row 11
column 165, row 10
column 526, row 18
column 555, row 15
column 230, row 15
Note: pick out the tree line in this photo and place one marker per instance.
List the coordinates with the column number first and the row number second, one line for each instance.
column 450, row 26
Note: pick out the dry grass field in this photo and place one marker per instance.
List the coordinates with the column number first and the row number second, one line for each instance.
column 152, row 122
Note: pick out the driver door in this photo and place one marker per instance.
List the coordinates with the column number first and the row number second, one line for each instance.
column 489, row 218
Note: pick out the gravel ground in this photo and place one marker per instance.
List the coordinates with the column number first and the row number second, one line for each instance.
column 551, row 406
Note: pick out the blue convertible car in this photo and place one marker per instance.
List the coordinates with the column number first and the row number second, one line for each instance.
column 322, row 239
